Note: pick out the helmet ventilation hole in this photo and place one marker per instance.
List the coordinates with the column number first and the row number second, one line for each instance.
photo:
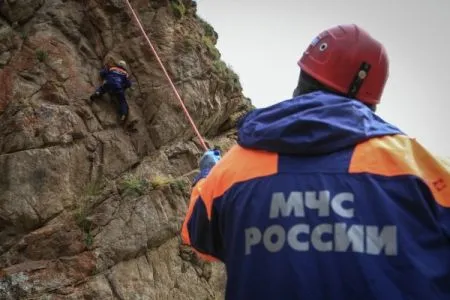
column 323, row 47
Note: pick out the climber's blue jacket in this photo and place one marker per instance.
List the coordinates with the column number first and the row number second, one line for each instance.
column 322, row 199
column 115, row 79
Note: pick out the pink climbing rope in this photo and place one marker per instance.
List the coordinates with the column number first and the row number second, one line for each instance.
column 202, row 141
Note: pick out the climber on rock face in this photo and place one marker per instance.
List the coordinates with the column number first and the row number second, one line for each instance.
column 115, row 82
column 321, row 198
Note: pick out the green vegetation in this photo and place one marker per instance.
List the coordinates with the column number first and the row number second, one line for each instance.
column 209, row 30
column 226, row 72
column 83, row 222
column 93, row 189
column 209, row 39
column 178, row 8
column 88, row 238
column 41, row 55
column 23, row 35
column 212, row 50
column 80, row 216
column 179, row 184
column 159, row 181
column 133, row 185
column 219, row 68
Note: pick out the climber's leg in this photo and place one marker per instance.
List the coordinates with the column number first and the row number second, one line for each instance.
column 98, row 93
column 123, row 105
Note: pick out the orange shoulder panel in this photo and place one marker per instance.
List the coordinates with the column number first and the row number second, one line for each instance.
column 239, row 164
column 120, row 70
column 194, row 196
column 402, row 155
column 184, row 229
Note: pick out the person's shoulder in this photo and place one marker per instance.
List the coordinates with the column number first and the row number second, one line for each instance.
column 119, row 70
column 241, row 164
column 401, row 155
column 386, row 155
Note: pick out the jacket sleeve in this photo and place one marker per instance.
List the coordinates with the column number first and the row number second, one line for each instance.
column 200, row 231
column 103, row 72
column 205, row 225
column 127, row 83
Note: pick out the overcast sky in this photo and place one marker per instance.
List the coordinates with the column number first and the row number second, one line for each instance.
column 262, row 41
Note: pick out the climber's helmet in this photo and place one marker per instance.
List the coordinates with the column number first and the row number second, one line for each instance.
column 122, row 64
column 346, row 60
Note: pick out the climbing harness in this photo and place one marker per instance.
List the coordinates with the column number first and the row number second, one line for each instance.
column 202, row 141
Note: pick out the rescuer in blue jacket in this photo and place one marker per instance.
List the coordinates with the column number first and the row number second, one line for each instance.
column 115, row 82
column 321, row 198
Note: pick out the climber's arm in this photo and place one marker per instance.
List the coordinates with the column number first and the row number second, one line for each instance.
column 127, row 83
column 103, row 72
column 200, row 228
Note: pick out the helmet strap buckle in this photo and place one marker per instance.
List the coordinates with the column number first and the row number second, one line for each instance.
column 358, row 80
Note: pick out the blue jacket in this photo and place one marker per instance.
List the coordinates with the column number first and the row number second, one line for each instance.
column 322, row 199
column 115, row 79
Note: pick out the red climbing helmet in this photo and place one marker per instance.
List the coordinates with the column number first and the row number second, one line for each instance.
column 347, row 59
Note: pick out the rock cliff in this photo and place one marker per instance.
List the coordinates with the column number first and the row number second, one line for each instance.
column 91, row 208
